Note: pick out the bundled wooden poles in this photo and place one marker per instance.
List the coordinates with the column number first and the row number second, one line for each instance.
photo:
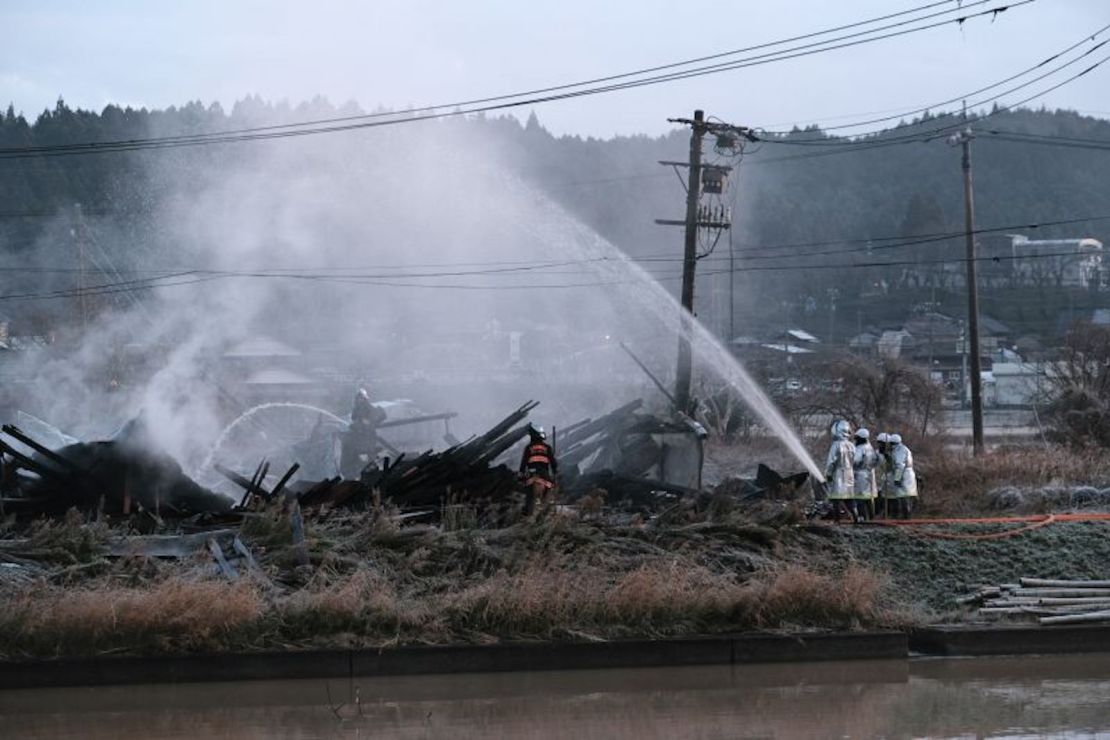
column 1049, row 600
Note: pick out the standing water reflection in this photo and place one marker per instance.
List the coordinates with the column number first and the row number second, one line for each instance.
column 998, row 697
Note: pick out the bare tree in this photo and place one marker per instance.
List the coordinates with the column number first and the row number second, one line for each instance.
column 1077, row 387
column 880, row 393
column 721, row 410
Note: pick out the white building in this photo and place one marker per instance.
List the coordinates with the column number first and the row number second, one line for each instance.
column 1018, row 383
column 1072, row 263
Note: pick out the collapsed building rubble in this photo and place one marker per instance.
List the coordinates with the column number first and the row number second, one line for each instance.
column 627, row 460
column 127, row 501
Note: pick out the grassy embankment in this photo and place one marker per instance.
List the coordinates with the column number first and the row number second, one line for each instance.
column 371, row 583
column 720, row 569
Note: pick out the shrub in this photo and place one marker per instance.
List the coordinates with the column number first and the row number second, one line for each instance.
column 1078, row 388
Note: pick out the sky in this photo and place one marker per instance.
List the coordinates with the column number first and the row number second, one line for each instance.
column 415, row 53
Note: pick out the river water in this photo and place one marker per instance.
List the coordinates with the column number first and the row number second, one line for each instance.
column 1058, row 696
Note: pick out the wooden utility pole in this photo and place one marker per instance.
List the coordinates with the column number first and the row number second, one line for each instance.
column 728, row 138
column 79, row 239
column 964, row 139
column 731, row 291
column 689, row 264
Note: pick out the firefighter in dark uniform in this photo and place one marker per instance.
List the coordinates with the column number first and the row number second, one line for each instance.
column 538, row 469
column 360, row 441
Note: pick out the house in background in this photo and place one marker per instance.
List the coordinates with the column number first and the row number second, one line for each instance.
column 262, row 369
column 938, row 344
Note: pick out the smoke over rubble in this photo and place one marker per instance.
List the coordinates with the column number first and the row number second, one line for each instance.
column 409, row 260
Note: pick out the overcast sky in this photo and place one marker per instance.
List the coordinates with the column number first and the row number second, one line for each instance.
column 416, row 52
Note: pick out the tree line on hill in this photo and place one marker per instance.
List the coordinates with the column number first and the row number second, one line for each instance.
column 812, row 213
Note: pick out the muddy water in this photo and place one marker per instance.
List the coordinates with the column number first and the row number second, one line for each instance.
column 1063, row 697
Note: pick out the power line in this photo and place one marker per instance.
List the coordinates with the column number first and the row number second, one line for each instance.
column 399, row 118
column 908, row 263
column 844, row 146
column 908, row 240
column 1020, row 138
column 926, row 108
column 194, row 277
column 511, row 267
column 848, row 147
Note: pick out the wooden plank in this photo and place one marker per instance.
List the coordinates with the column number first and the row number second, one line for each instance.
column 16, row 433
column 285, row 479
column 249, row 492
column 1061, row 583
column 166, row 545
column 1096, row 616
column 1069, row 592
column 232, row 476
column 225, row 567
column 300, row 547
column 252, row 565
column 417, row 419
column 43, row 471
column 245, row 553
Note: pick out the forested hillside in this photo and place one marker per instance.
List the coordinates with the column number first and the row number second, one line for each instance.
column 805, row 203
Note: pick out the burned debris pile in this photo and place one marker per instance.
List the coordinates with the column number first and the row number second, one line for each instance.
column 636, row 460
column 118, row 509
column 465, row 471
column 626, row 461
column 114, row 476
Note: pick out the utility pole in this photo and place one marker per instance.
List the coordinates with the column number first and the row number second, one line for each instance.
column 731, row 291
column 697, row 217
column 689, row 264
column 963, row 138
column 79, row 239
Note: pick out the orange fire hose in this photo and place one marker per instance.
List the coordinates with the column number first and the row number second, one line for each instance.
column 1031, row 522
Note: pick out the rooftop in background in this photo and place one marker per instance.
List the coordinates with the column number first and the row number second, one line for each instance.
column 277, row 376
column 1034, row 245
column 262, row 347
column 802, row 336
column 790, row 349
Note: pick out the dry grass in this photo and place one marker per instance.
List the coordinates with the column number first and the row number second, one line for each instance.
column 664, row 597
column 69, row 540
column 671, row 596
column 957, row 483
column 373, row 584
column 172, row 615
column 362, row 603
column 796, row 595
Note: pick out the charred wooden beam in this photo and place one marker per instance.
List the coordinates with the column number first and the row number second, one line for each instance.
column 16, row 433
column 417, row 419
column 285, row 479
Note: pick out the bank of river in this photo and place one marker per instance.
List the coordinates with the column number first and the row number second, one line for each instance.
column 1060, row 696
column 520, row 657
column 375, row 588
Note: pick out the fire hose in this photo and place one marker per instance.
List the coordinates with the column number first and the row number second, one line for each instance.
column 1031, row 522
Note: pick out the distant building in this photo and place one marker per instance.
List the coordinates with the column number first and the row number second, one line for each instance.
column 787, row 348
column 1018, row 383
column 262, row 369
column 864, row 342
column 938, row 343
column 1016, row 260
column 791, row 342
column 1066, row 320
column 800, row 336
column 893, row 344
